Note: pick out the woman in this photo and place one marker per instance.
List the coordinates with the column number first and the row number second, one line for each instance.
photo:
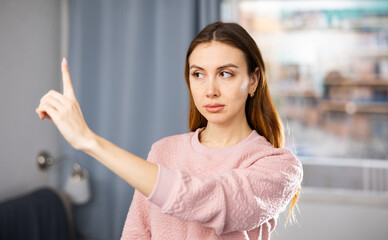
column 227, row 179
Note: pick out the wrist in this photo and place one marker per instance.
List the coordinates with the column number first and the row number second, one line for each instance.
column 89, row 142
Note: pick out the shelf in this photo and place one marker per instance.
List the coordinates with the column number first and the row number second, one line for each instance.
column 364, row 107
column 355, row 82
column 377, row 51
column 305, row 94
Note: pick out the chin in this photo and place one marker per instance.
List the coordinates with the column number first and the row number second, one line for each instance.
column 219, row 120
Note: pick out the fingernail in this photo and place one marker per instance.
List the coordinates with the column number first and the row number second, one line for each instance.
column 64, row 61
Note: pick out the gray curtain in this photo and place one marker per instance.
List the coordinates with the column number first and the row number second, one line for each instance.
column 126, row 60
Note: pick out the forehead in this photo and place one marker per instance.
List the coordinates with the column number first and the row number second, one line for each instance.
column 214, row 54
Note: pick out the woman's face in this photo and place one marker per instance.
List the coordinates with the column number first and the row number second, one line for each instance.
column 220, row 82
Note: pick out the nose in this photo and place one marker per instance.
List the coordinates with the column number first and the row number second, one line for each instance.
column 212, row 89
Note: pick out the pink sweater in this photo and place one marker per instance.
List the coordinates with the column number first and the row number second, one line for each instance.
column 235, row 192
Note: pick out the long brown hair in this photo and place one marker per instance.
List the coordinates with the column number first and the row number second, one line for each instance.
column 260, row 111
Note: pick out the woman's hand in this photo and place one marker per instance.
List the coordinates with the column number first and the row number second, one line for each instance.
column 65, row 112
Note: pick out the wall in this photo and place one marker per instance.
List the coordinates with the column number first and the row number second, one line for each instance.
column 29, row 66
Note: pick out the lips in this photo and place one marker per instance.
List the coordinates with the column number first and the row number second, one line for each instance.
column 214, row 108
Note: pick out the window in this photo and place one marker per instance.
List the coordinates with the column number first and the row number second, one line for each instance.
column 327, row 65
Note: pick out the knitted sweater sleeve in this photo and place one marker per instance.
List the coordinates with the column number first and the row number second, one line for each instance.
column 236, row 200
column 137, row 224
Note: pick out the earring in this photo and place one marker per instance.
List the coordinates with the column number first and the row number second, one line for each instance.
column 252, row 94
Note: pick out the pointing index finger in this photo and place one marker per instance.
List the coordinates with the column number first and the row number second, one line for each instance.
column 68, row 90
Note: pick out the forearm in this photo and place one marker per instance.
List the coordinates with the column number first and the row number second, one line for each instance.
column 66, row 114
column 136, row 171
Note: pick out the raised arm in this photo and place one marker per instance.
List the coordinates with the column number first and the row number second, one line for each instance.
column 65, row 112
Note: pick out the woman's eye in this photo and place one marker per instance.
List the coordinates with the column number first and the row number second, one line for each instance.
column 197, row 75
column 226, row 74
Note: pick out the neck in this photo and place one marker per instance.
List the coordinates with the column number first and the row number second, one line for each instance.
column 218, row 136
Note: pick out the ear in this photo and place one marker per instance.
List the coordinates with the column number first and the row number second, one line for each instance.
column 254, row 80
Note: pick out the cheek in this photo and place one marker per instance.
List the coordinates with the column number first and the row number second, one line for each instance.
column 244, row 86
column 195, row 92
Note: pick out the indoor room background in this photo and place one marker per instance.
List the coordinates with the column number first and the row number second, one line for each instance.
column 327, row 65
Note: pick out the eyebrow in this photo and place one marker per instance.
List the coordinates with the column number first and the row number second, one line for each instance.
column 221, row 67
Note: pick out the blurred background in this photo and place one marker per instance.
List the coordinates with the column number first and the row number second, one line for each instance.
column 327, row 65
